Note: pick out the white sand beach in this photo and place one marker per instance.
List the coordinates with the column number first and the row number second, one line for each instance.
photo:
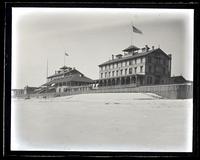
column 102, row 122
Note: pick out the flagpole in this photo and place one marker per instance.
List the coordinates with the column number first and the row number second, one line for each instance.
column 47, row 69
column 66, row 54
column 131, row 33
column 64, row 59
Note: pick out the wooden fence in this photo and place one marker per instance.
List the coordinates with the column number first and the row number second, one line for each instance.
column 170, row 91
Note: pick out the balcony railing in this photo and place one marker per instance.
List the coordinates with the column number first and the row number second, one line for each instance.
column 118, row 86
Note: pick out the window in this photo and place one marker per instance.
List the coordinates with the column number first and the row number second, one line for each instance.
column 113, row 73
column 149, row 69
column 135, row 61
column 140, row 60
column 158, row 60
column 150, row 80
column 116, row 73
column 135, row 70
column 163, row 70
column 141, row 69
column 125, row 71
column 149, row 59
column 121, row 71
column 130, row 62
column 108, row 74
column 125, row 63
column 101, row 75
column 116, row 65
column 130, row 70
column 164, row 61
column 105, row 74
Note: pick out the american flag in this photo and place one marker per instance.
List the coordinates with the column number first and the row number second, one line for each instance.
column 136, row 30
column 66, row 54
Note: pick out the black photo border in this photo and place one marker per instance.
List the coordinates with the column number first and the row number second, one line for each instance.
column 7, row 153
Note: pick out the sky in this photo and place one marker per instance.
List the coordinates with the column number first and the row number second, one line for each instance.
column 90, row 36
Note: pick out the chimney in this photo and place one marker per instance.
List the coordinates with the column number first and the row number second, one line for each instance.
column 170, row 56
column 152, row 47
column 147, row 48
column 112, row 56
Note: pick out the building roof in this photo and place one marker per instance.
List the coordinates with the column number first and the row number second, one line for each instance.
column 131, row 48
column 177, row 79
column 65, row 67
column 17, row 89
column 74, row 78
column 119, row 55
column 133, row 56
column 65, row 72
column 28, row 87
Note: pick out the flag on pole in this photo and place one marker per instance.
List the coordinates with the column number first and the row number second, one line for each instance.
column 136, row 30
column 66, row 54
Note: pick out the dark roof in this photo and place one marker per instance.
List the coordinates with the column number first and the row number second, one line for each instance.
column 74, row 78
column 77, row 78
column 130, row 48
column 30, row 87
column 132, row 57
column 17, row 89
column 118, row 55
column 66, row 72
column 65, row 67
column 178, row 79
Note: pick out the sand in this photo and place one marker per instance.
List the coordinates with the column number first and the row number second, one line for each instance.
column 102, row 122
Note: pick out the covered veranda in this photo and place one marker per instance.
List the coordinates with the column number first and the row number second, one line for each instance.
column 134, row 80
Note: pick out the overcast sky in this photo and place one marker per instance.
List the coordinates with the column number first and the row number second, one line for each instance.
column 91, row 36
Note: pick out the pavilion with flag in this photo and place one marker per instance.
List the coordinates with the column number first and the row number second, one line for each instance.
column 66, row 79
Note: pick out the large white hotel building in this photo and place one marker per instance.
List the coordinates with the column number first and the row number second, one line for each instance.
column 137, row 66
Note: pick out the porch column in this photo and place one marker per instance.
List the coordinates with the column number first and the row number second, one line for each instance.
column 136, row 80
column 104, row 82
column 130, row 79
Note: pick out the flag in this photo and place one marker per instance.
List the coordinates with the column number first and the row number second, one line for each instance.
column 66, row 54
column 136, row 30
